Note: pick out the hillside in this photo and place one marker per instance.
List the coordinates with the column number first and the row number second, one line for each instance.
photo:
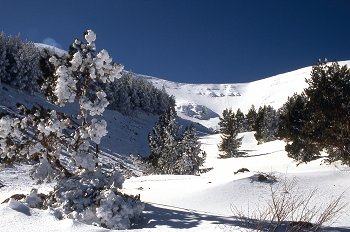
column 203, row 103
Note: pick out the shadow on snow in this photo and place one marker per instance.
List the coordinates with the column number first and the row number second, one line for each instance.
column 181, row 218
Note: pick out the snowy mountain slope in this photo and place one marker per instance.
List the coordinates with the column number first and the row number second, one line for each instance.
column 126, row 135
column 194, row 99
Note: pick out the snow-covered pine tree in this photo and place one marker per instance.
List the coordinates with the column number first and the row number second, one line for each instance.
column 191, row 157
column 172, row 153
column 163, row 142
column 266, row 125
column 229, row 132
column 88, row 192
column 77, row 79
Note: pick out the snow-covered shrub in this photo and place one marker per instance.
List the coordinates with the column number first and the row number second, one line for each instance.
column 34, row 134
column 94, row 198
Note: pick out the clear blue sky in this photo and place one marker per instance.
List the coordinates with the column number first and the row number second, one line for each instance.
column 196, row 41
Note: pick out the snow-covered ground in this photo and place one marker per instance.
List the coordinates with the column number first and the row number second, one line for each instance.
column 194, row 203
column 191, row 203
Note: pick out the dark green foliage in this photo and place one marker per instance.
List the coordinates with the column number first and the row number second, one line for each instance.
column 48, row 79
column 19, row 63
column 293, row 128
column 292, row 117
column 229, row 130
column 251, row 118
column 266, row 124
column 130, row 94
column 319, row 119
column 172, row 153
column 241, row 121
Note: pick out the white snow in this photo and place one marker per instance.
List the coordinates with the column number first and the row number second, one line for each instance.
column 191, row 203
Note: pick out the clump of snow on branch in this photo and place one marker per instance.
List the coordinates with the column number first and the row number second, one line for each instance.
column 53, row 125
column 65, row 89
column 90, row 37
column 97, row 130
column 96, row 107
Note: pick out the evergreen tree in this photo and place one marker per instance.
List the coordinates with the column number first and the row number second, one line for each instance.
column 172, row 153
column 324, row 121
column 294, row 117
column 84, row 190
column 163, row 142
column 191, row 157
column 130, row 94
column 251, row 118
column 266, row 125
column 241, row 121
column 229, row 131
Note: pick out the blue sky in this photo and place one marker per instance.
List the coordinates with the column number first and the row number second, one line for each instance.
column 194, row 41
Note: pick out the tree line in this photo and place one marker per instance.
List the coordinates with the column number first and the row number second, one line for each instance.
column 26, row 67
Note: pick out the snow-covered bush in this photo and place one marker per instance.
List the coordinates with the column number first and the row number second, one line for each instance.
column 94, row 198
column 79, row 79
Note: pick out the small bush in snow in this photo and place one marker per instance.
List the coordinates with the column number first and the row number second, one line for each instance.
column 291, row 209
column 94, row 198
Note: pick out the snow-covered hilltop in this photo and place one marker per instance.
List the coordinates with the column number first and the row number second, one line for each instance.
column 203, row 103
